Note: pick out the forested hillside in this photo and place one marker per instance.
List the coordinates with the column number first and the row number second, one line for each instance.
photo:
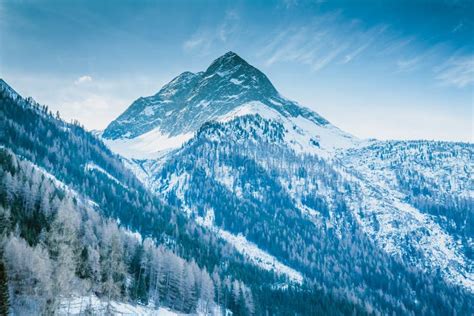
column 386, row 223
column 70, row 207
column 296, row 208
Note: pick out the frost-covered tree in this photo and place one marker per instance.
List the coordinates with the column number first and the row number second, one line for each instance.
column 188, row 291
column 206, row 290
column 112, row 265
column 29, row 272
column 63, row 247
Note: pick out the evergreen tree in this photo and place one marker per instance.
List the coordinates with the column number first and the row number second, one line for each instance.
column 139, row 290
column 4, row 295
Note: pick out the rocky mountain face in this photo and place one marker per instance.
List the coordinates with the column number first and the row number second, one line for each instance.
column 190, row 100
column 223, row 146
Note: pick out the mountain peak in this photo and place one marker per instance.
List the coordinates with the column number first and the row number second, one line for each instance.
column 191, row 99
column 230, row 56
column 229, row 62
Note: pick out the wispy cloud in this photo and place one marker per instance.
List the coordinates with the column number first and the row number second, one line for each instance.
column 457, row 72
column 353, row 54
column 323, row 42
column 82, row 80
column 419, row 58
column 408, row 64
column 206, row 38
column 362, row 41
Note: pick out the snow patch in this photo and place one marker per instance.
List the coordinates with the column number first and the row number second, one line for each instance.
column 148, row 145
column 260, row 257
column 275, row 102
column 236, row 81
column 92, row 166
column 203, row 103
column 148, row 111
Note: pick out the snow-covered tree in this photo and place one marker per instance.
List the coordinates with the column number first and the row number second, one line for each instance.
column 206, row 290
column 112, row 264
column 63, row 247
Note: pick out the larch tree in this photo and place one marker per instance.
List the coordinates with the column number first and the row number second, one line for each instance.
column 62, row 243
column 207, row 290
column 112, row 265
column 189, row 290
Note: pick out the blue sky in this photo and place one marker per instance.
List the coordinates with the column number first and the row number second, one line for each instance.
column 382, row 69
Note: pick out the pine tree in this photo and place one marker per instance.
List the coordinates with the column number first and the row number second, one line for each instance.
column 4, row 295
column 139, row 288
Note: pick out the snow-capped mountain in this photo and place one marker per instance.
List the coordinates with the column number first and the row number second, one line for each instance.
column 229, row 151
column 230, row 87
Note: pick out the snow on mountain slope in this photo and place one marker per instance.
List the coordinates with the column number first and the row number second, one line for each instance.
column 378, row 205
column 250, row 112
column 260, row 257
column 90, row 166
column 387, row 172
column 149, row 145
column 400, row 229
column 179, row 185
column 251, row 251
column 301, row 134
column 442, row 166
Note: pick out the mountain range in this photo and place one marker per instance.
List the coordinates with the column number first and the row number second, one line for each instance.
column 222, row 172
column 231, row 111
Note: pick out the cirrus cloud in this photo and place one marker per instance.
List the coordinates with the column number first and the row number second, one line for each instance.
column 457, row 72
